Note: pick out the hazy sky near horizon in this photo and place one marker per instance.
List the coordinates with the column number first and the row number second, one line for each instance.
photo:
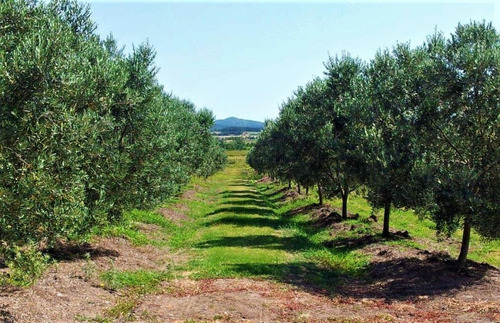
column 244, row 59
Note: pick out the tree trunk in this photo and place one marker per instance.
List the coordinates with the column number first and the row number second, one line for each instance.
column 464, row 250
column 298, row 188
column 344, row 205
column 307, row 190
column 320, row 194
column 387, row 214
column 289, row 184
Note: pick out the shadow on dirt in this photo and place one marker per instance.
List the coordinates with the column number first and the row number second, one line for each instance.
column 360, row 242
column 303, row 210
column 288, row 195
column 5, row 315
column 72, row 252
column 425, row 274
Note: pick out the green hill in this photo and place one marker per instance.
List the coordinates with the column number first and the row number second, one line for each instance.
column 235, row 125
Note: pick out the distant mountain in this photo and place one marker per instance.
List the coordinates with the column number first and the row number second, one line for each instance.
column 234, row 125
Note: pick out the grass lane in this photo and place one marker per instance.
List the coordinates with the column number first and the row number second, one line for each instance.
column 247, row 234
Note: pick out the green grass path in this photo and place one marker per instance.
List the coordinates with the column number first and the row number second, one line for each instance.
column 245, row 232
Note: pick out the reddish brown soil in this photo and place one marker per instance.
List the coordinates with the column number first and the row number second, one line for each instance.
column 191, row 194
column 177, row 212
column 289, row 195
column 402, row 286
column 455, row 297
column 265, row 180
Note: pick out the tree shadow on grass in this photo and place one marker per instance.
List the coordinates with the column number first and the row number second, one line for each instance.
column 237, row 184
column 243, row 221
column 242, row 194
column 250, row 201
column 272, row 242
column 243, row 210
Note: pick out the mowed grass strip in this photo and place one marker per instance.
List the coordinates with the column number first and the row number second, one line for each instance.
column 248, row 234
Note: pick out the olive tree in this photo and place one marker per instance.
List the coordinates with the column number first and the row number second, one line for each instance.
column 340, row 135
column 396, row 91
column 86, row 131
column 462, row 132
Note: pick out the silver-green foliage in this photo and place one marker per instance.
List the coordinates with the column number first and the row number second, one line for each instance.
column 462, row 132
column 419, row 129
column 86, row 131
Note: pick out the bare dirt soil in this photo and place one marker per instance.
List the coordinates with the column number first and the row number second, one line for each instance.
column 174, row 215
column 246, row 300
column 403, row 286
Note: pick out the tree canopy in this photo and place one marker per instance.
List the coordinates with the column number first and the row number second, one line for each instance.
column 86, row 130
column 418, row 127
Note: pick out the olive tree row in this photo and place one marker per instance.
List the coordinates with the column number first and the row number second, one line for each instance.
column 86, row 130
column 418, row 127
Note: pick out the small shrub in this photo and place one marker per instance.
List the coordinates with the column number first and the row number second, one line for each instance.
column 26, row 264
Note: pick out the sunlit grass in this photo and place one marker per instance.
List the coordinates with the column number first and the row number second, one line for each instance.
column 247, row 232
column 145, row 279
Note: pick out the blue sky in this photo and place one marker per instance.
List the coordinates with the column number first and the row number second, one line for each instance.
column 244, row 58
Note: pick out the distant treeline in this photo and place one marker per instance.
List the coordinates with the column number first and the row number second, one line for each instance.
column 237, row 130
column 235, row 143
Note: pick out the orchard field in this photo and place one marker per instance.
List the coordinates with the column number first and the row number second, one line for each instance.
column 238, row 247
column 374, row 196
